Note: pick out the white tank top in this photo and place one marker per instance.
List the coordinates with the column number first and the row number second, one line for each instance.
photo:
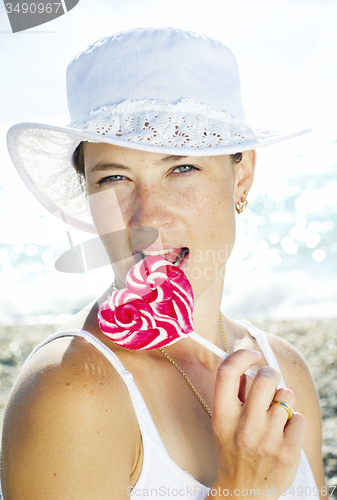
column 161, row 477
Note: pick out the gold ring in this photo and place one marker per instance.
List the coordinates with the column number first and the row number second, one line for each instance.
column 285, row 406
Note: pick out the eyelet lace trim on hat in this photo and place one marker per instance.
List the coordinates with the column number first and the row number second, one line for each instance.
column 186, row 123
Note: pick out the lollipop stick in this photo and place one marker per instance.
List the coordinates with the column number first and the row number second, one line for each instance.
column 219, row 352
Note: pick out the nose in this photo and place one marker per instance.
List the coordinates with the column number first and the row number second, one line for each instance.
column 151, row 207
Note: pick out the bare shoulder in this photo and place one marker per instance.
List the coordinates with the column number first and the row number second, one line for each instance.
column 68, row 413
column 294, row 369
column 68, row 364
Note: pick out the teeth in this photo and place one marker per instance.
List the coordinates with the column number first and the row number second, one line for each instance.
column 159, row 252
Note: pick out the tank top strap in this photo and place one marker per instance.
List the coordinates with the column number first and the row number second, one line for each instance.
column 146, row 425
column 263, row 344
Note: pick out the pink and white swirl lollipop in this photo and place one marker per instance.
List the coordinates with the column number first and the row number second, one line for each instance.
column 154, row 310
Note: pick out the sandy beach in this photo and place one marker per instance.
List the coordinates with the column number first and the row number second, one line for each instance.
column 315, row 339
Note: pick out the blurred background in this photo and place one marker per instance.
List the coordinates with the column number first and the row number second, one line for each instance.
column 283, row 272
column 284, row 264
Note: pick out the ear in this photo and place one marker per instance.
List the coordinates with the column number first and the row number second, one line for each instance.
column 244, row 175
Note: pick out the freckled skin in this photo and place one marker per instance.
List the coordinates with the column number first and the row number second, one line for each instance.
column 194, row 210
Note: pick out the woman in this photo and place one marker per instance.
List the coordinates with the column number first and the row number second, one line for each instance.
column 159, row 142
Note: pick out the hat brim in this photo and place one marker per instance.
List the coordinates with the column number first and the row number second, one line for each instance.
column 42, row 155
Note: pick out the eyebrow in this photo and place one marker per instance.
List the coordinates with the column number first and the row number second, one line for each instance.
column 108, row 166
column 118, row 166
column 172, row 158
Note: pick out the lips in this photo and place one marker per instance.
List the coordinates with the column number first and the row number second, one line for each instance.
column 175, row 256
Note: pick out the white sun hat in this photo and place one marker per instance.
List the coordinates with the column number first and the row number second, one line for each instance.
column 161, row 90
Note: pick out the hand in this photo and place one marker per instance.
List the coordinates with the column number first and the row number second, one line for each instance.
column 256, row 446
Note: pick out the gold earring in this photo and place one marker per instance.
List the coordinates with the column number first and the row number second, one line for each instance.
column 242, row 205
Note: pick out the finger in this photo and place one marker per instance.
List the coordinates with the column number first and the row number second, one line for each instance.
column 227, row 386
column 285, row 394
column 278, row 413
column 294, row 429
column 261, row 393
column 294, row 436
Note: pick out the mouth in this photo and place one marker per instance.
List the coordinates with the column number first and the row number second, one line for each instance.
column 175, row 256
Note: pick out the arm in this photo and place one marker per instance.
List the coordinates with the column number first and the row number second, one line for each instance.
column 298, row 378
column 70, row 429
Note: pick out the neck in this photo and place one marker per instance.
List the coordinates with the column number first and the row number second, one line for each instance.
column 206, row 312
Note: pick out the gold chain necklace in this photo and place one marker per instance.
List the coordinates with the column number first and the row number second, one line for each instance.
column 181, row 371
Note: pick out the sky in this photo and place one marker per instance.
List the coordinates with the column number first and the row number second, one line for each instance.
column 286, row 52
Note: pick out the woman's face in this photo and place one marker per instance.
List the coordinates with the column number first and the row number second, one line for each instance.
column 189, row 201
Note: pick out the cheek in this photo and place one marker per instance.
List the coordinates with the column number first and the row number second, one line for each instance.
column 106, row 211
column 214, row 233
column 216, row 213
column 214, row 236
column 107, row 216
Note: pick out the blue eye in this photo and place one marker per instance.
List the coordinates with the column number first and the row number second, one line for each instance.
column 185, row 169
column 111, row 179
